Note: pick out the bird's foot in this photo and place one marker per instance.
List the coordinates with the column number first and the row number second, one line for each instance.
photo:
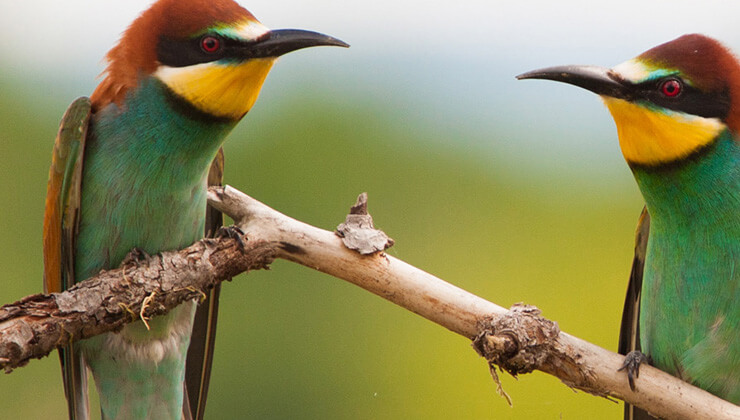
column 136, row 256
column 232, row 232
column 631, row 364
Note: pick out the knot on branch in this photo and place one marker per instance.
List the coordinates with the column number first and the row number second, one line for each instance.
column 358, row 232
column 519, row 341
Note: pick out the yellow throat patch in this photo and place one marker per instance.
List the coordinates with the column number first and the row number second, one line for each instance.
column 223, row 90
column 652, row 137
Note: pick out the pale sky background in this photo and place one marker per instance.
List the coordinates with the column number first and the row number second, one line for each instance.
column 445, row 67
column 62, row 32
column 449, row 63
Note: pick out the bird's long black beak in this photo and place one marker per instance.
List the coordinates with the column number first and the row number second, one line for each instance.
column 282, row 41
column 599, row 80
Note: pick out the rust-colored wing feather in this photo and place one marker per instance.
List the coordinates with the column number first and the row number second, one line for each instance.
column 629, row 333
column 60, row 232
column 200, row 352
column 63, row 197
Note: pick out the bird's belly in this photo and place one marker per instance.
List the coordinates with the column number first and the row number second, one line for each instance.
column 689, row 321
column 138, row 376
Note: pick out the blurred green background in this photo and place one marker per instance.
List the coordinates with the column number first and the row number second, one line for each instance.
column 515, row 191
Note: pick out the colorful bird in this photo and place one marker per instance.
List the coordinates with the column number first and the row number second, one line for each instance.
column 677, row 111
column 130, row 171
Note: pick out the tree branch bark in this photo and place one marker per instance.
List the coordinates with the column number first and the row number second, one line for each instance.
column 517, row 340
column 34, row 326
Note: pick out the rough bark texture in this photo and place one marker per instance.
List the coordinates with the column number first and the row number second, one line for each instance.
column 518, row 340
column 141, row 288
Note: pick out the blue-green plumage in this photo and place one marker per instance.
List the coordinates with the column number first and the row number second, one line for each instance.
column 144, row 180
column 689, row 312
column 130, row 170
column 678, row 121
column 143, row 186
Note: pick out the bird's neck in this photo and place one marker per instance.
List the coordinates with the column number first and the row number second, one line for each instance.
column 701, row 190
column 154, row 122
column 155, row 154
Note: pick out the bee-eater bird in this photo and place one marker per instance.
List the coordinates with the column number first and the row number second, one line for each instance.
column 677, row 112
column 130, row 170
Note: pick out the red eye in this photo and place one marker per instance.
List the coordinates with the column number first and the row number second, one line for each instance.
column 210, row 44
column 671, row 88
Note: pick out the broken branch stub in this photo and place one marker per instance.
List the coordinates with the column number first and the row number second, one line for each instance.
column 358, row 232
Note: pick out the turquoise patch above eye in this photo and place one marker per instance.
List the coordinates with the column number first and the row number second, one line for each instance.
column 658, row 74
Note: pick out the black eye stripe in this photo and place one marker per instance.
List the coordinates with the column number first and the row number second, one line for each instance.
column 690, row 99
column 186, row 52
column 181, row 53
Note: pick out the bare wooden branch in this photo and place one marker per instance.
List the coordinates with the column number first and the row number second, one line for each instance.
column 36, row 325
column 519, row 340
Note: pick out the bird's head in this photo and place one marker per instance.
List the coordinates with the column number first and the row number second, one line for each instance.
column 213, row 54
column 669, row 102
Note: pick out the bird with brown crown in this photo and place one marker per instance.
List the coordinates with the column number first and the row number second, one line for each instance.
column 130, row 170
column 677, row 111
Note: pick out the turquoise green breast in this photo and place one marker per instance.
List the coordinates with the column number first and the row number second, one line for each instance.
column 144, row 185
column 690, row 316
column 144, row 179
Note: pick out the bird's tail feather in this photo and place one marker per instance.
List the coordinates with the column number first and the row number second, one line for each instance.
column 74, row 373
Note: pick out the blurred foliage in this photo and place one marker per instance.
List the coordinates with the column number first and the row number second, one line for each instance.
column 293, row 343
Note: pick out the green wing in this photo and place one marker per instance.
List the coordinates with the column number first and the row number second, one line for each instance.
column 60, row 233
column 200, row 352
